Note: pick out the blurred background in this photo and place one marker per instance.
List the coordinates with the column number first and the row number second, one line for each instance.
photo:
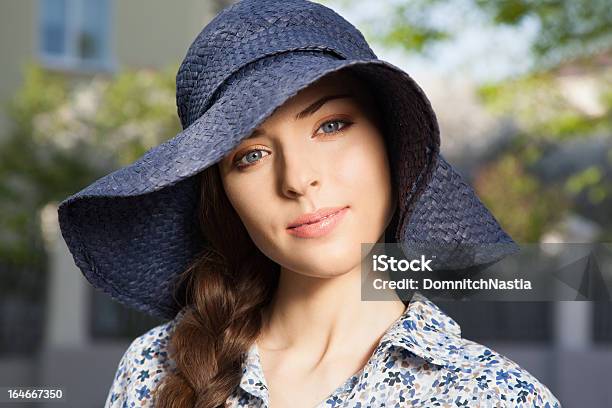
column 523, row 93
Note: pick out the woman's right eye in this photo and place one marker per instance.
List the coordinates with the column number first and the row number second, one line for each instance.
column 251, row 157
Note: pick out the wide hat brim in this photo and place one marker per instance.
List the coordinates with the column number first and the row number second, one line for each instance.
column 133, row 231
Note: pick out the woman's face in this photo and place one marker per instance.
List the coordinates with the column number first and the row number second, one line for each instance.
column 313, row 153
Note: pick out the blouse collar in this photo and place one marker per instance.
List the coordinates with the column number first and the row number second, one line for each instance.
column 423, row 329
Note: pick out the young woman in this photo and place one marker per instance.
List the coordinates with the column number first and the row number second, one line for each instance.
column 245, row 231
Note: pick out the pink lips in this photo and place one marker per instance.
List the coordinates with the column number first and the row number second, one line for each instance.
column 317, row 224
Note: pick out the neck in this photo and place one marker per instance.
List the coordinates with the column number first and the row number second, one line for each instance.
column 325, row 314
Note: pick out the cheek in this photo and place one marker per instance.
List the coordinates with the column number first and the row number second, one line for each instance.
column 365, row 169
column 363, row 165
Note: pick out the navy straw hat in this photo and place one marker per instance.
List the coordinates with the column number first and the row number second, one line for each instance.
column 133, row 231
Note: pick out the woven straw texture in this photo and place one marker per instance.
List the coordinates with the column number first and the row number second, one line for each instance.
column 134, row 230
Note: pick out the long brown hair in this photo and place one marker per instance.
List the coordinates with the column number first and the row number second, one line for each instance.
column 227, row 288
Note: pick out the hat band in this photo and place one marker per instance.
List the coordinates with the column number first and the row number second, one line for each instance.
column 202, row 105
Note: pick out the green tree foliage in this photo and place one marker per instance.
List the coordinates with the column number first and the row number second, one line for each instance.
column 65, row 134
column 550, row 110
column 568, row 28
column 523, row 205
column 545, row 104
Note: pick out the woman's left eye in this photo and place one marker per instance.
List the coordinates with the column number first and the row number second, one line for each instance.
column 332, row 126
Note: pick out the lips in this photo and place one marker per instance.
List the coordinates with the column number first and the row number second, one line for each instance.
column 311, row 218
column 327, row 221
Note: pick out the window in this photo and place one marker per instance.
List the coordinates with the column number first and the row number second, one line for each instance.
column 75, row 34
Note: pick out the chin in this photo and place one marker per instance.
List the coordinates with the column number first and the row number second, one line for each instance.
column 325, row 274
column 326, row 264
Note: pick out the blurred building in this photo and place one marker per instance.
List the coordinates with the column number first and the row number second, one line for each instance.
column 81, row 37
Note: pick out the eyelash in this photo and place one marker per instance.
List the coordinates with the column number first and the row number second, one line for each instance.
column 347, row 124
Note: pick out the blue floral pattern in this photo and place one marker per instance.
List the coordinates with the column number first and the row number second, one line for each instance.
column 421, row 361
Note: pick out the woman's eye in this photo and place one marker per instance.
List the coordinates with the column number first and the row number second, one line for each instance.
column 250, row 157
column 331, row 126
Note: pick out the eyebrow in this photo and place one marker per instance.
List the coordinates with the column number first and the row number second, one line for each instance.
column 310, row 110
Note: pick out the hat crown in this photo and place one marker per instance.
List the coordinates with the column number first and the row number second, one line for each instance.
column 251, row 29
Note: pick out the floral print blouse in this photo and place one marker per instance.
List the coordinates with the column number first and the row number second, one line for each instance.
column 420, row 361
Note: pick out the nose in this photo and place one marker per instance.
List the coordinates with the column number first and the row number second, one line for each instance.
column 298, row 172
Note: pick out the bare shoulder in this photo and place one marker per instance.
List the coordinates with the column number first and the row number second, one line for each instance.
column 501, row 380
